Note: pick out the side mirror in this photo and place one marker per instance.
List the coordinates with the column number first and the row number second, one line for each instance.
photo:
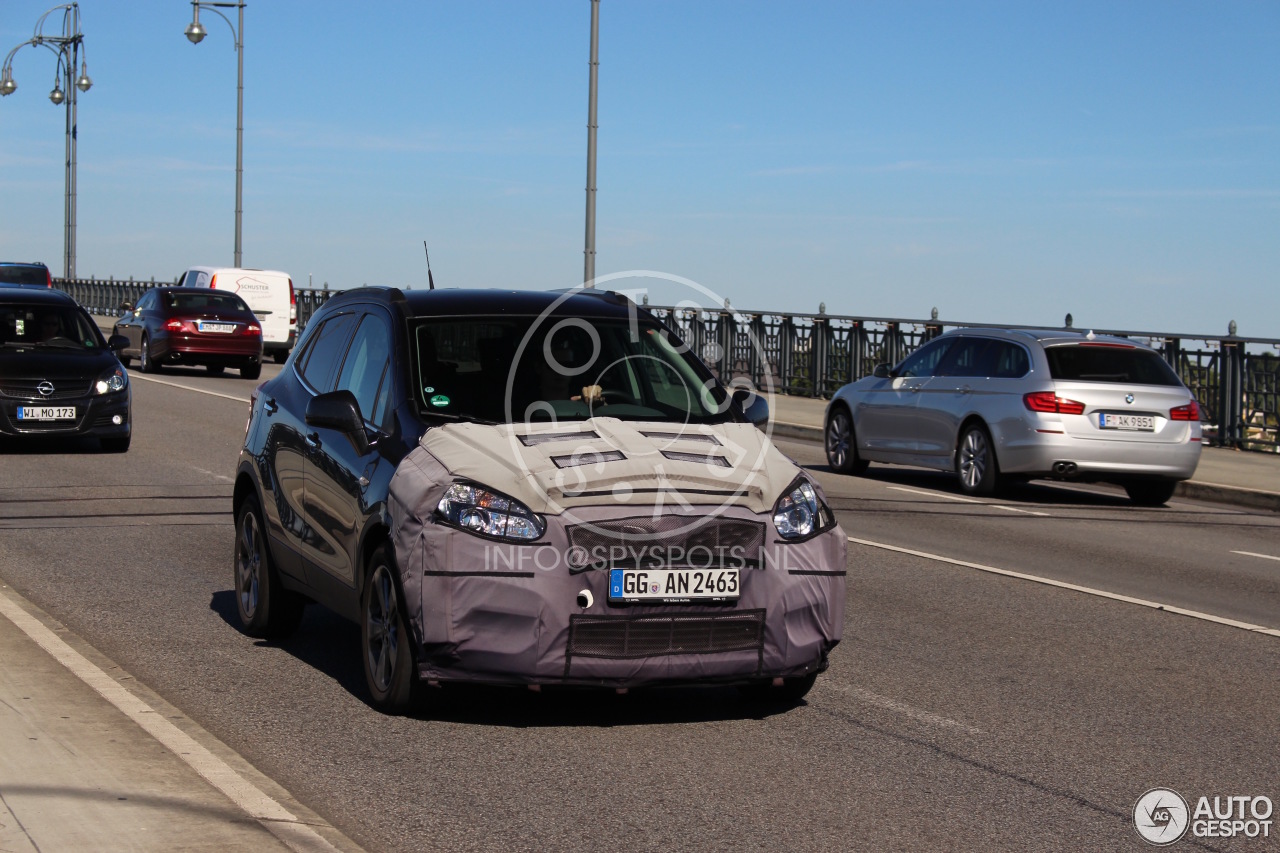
column 754, row 406
column 115, row 343
column 126, row 306
column 881, row 371
column 339, row 411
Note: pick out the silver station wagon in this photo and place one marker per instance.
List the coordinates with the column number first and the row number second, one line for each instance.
column 996, row 405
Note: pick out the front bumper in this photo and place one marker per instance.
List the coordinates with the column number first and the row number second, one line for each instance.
column 493, row 612
column 95, row 416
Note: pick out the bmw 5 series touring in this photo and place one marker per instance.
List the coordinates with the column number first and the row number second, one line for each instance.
column 996, row 405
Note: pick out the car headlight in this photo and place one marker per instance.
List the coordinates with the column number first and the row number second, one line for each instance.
column 113, row 380
column 481, row 511
column 798, row 513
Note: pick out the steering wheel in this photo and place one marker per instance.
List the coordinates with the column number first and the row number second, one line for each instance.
column 612, row 395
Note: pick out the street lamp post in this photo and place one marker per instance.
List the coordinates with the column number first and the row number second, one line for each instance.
column 69, row 48
column 195, row 34
column 589, row 253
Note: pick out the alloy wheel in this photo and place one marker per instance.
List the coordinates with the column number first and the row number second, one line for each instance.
column 838, row 440
column 974, row 458
column 249, row 565
column 383, row 644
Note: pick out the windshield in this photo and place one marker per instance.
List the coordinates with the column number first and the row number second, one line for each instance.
column 1109, row 363
column 60, row 326
column 528, row 369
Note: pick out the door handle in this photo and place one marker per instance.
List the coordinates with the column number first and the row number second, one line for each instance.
column 965, row 389
column 313, row 439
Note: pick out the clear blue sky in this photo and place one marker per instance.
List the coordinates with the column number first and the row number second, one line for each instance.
column 1004, row 162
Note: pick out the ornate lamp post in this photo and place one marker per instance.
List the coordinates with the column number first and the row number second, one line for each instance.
column 195, row 34
column 69, row 48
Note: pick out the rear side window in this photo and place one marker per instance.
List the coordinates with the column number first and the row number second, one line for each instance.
column 966, row 358
column 326, row 350
column 1007, row 361
column 1103, row 363
column 24, row 275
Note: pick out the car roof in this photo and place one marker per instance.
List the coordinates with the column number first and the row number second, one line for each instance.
column 474, row 302
column 1044, row 337
column 34, row 296
column 23, row 264
column 220, row 270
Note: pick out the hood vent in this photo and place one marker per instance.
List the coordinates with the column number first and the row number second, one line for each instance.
column 704, row 458
column 682, row 436
column 587, row 457
column 545, row 437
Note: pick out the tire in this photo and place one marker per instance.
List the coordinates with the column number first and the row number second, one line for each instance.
column 115, row 444
column 251, row 371
column 124, row 360
column 215, row 369
column 1150, row 492
column 791, row 691
column 280, row 356
column 977, row 470
column 841, row 443
column 265, row 607
column 385, row 649
column 145, row 363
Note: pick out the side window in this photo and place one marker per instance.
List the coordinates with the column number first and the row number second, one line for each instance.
column 366, row 362
column 201, row 280
column 924, row 361
column 967, row 358
column 1011, row 361
column 326, row 351
column 146, row 301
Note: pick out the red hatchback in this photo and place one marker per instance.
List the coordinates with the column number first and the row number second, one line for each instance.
column 185, row 326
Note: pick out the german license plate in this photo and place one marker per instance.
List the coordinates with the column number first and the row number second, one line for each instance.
column 673, row 586
column 47, row 413
column 1140, row 423
column 224, row 328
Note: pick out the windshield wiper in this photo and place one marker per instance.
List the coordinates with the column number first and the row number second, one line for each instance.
column 460, row 418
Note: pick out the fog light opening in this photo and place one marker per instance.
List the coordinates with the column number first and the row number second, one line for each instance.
column 585, row 599
column 117, row 420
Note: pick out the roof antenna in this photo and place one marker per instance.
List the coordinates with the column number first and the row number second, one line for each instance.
column 431, row 282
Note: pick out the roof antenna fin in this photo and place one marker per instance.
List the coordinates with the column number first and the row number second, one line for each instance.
column 431, row 282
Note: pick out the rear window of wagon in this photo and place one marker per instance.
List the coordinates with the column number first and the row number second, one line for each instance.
column 1109, row 363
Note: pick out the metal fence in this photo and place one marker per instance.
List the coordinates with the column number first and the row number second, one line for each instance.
column 1235, row 380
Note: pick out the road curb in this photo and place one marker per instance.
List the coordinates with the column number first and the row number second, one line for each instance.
column 1192, row 489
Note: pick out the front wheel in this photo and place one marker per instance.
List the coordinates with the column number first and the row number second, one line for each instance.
column 841, row 444
column 1150, row 492
column 280, row 356
column 251, row 371
column 265, row 607
column 384, row 642
column 976, row 466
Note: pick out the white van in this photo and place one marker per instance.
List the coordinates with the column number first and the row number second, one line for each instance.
column 269, row 294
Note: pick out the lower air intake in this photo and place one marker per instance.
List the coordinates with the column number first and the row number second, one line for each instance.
column 654, row 636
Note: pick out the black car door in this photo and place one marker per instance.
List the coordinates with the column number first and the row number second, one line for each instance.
column 285, row 450
column 340, row 471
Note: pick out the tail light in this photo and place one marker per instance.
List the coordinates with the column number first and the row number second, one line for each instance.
column 48, row 277
column 252, row 329
column 1047, row 401
column 213, row 283
column 178, row 326
column 1189, row 412
column 293, row 305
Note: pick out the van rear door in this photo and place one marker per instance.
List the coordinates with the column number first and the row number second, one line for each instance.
column 267, row 294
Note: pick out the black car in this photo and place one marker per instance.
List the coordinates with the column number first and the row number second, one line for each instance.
column 18, row 274
column 58, row 377
column 530, row 489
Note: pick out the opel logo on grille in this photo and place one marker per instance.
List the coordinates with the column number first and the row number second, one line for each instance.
column 1128, row 398
column 45, row 388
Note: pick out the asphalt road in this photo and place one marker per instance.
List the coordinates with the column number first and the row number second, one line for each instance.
column 964, row 710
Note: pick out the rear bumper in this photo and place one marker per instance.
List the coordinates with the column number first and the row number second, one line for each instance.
column 1100, row 459
column 205, row 349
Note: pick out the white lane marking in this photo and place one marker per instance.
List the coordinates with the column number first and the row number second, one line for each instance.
column 934, row 494
column 251, row 799
column 964, row 500
column 1141, row 602
column 1262, row 556
column 222, row 477
column 903, row 708
column 133, row 376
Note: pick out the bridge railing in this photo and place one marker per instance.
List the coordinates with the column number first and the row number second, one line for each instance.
column 1236, row 380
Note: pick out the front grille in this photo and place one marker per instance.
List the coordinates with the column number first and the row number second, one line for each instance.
column 25, row 389
column 716, row 538
column 621, row 637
